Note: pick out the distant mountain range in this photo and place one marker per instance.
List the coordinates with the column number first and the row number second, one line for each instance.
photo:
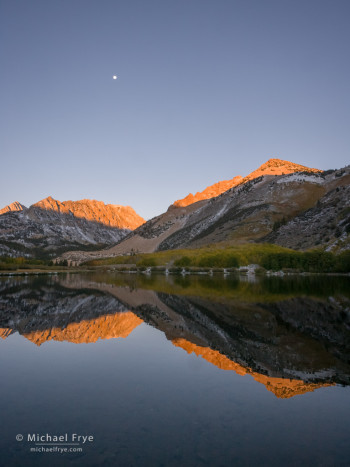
column 280, row 202
column 51, row 227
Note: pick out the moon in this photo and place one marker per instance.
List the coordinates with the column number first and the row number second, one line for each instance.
column 115, row 76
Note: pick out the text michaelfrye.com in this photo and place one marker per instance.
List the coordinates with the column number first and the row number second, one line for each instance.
column 56, row 443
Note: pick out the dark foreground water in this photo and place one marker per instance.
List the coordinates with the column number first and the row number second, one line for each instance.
column 174, row 371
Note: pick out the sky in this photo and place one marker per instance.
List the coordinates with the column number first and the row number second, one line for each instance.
column 206, row 90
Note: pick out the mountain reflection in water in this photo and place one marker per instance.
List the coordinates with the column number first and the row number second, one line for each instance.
column 290, row 334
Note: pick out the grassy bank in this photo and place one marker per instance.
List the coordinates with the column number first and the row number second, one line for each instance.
column 9, row 264
column 270, row 257
column 29, row 264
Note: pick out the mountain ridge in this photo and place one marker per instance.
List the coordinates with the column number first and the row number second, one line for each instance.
column 253, row 211
column 113, row 215
column 274, row 203
column 270, row 167
column 247, row 212
column 50, row 226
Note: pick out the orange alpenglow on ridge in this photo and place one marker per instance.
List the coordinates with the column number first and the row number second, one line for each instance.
column 271, row 167
column 111, row 215
column 278, row 167
column 282, row 388
column 5, row 332
column 89, row 331
column 13, row 207
column 210, row 192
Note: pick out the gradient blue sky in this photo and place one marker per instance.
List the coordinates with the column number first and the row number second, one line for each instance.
column 206, row 90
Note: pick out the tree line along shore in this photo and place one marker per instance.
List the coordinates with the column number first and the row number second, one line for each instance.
column 267, row 256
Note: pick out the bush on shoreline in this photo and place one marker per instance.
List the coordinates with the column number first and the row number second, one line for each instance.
column 308, row 261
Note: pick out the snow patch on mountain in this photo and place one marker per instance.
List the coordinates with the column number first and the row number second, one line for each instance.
column 300, row 177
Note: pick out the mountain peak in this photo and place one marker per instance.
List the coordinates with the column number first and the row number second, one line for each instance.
column 271, row 167
column 280, row 167
column 13, row 207
column 112, row 215
column 47, row 203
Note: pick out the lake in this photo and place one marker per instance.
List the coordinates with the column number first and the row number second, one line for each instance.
column 153, row 370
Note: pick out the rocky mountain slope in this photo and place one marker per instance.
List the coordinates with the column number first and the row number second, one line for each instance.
column 210, row 192
column 271, row 167
column 326, row 223
column 252, row 211
column 50, row 226
column 266, row 206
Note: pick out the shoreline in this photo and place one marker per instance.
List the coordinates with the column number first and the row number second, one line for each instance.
column 244, row 271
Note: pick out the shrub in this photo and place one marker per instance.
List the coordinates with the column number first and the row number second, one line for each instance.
column 219, row 260
column 342, row 262
column 312, row 261
column 147, row 262
column 183, row 262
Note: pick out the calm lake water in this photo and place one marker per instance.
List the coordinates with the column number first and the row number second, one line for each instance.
column 175, row 371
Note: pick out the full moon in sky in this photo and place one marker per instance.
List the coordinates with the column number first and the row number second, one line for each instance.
column 115, row 76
